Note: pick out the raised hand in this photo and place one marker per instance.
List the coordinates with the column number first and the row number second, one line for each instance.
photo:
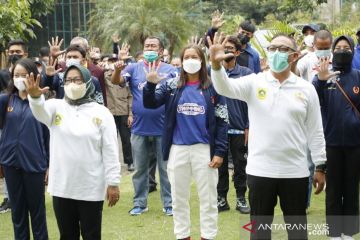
column 93, row 53
column 119, row 65
column 216, row 48
column 50, row 68
column 217, row 19
column 32, row 86
column 61, row 58
column 55, row 47
column 115, row 38
column 194, row 40
column 323, row 71
column 124, row 51
column 152, row 74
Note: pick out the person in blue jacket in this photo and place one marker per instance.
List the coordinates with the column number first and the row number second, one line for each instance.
column 54, row 79
column 342, row 133
column 194, row 139
column 248, row 57
column 24, row 155
column 356, row 58
column 238, row 135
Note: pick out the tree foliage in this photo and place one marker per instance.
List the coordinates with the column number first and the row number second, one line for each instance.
column 259, row 9
column 17, row 19
column 173, row 20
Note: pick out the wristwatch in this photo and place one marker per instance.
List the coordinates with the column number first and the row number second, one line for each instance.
column 321, row 168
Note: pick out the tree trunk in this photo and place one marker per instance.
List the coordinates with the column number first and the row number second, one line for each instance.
column 172, row 41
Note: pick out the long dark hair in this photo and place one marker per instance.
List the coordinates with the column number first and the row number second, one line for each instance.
column 203, row 74
column 30, row 67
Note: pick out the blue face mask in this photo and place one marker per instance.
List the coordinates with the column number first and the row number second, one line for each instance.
column 323, row 53
column 150, row 56
column 278, row 61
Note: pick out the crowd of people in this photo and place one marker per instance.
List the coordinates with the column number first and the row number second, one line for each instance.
column 286, row 126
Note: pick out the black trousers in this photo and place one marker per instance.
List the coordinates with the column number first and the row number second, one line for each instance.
column 27, row 194
column 238, row 151
column 75, row 215
column 124, row 131
column 263, row 194
column 342, row 190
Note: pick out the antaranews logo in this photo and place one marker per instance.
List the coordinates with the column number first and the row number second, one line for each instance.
column 319, row 229
column 250, row 227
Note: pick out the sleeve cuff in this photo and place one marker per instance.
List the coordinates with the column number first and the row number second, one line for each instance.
column 319, row 163
column 151, row 85
column 220, row 154
column 113, row 184
column 36, row 101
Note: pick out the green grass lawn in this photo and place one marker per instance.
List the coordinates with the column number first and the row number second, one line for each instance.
column 154, row 225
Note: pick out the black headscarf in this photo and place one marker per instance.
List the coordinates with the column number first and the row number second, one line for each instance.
column 335, row 64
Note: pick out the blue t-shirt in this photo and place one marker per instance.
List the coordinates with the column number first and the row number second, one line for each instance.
column 147, row 122
column 191, row 117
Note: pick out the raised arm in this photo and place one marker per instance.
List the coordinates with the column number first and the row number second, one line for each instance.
column 116, row 77
column 154, row 97
column 42, row 111
column 229, row 87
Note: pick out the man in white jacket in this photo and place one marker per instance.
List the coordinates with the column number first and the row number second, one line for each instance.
column 285, row 119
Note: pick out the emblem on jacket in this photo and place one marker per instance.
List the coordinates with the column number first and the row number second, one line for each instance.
column 356, row 90
column 58, row 119
column 300, row 96
column 97, row 121
column 261, row 93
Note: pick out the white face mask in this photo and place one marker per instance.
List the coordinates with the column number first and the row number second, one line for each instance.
column 72, row 61
column 20, row 83
column 309, row 40
column 191, row 65
column 75, row 91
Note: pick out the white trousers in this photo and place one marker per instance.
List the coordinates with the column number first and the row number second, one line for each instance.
column 186, row 161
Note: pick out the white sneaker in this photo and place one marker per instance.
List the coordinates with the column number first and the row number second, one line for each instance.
column 345, row 237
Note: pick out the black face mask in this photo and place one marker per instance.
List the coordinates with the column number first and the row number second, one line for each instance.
column 244, row 39
column 342, row 59
column 14, row 58
column 229, row 59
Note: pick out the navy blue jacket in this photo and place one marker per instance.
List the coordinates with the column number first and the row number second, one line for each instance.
column 341, row 122
column 24, row 141
column 238, row 110
column 169, row 94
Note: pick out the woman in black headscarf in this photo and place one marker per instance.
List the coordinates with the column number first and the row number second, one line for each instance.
column 339, row 95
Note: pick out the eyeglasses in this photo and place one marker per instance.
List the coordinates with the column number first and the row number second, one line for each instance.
column 76, row 80
column 281, row 48
column 229, row 48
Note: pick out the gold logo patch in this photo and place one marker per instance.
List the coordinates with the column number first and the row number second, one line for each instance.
column 300, row 96
column 58, row 119
column 261, row 93
column 97, row 121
